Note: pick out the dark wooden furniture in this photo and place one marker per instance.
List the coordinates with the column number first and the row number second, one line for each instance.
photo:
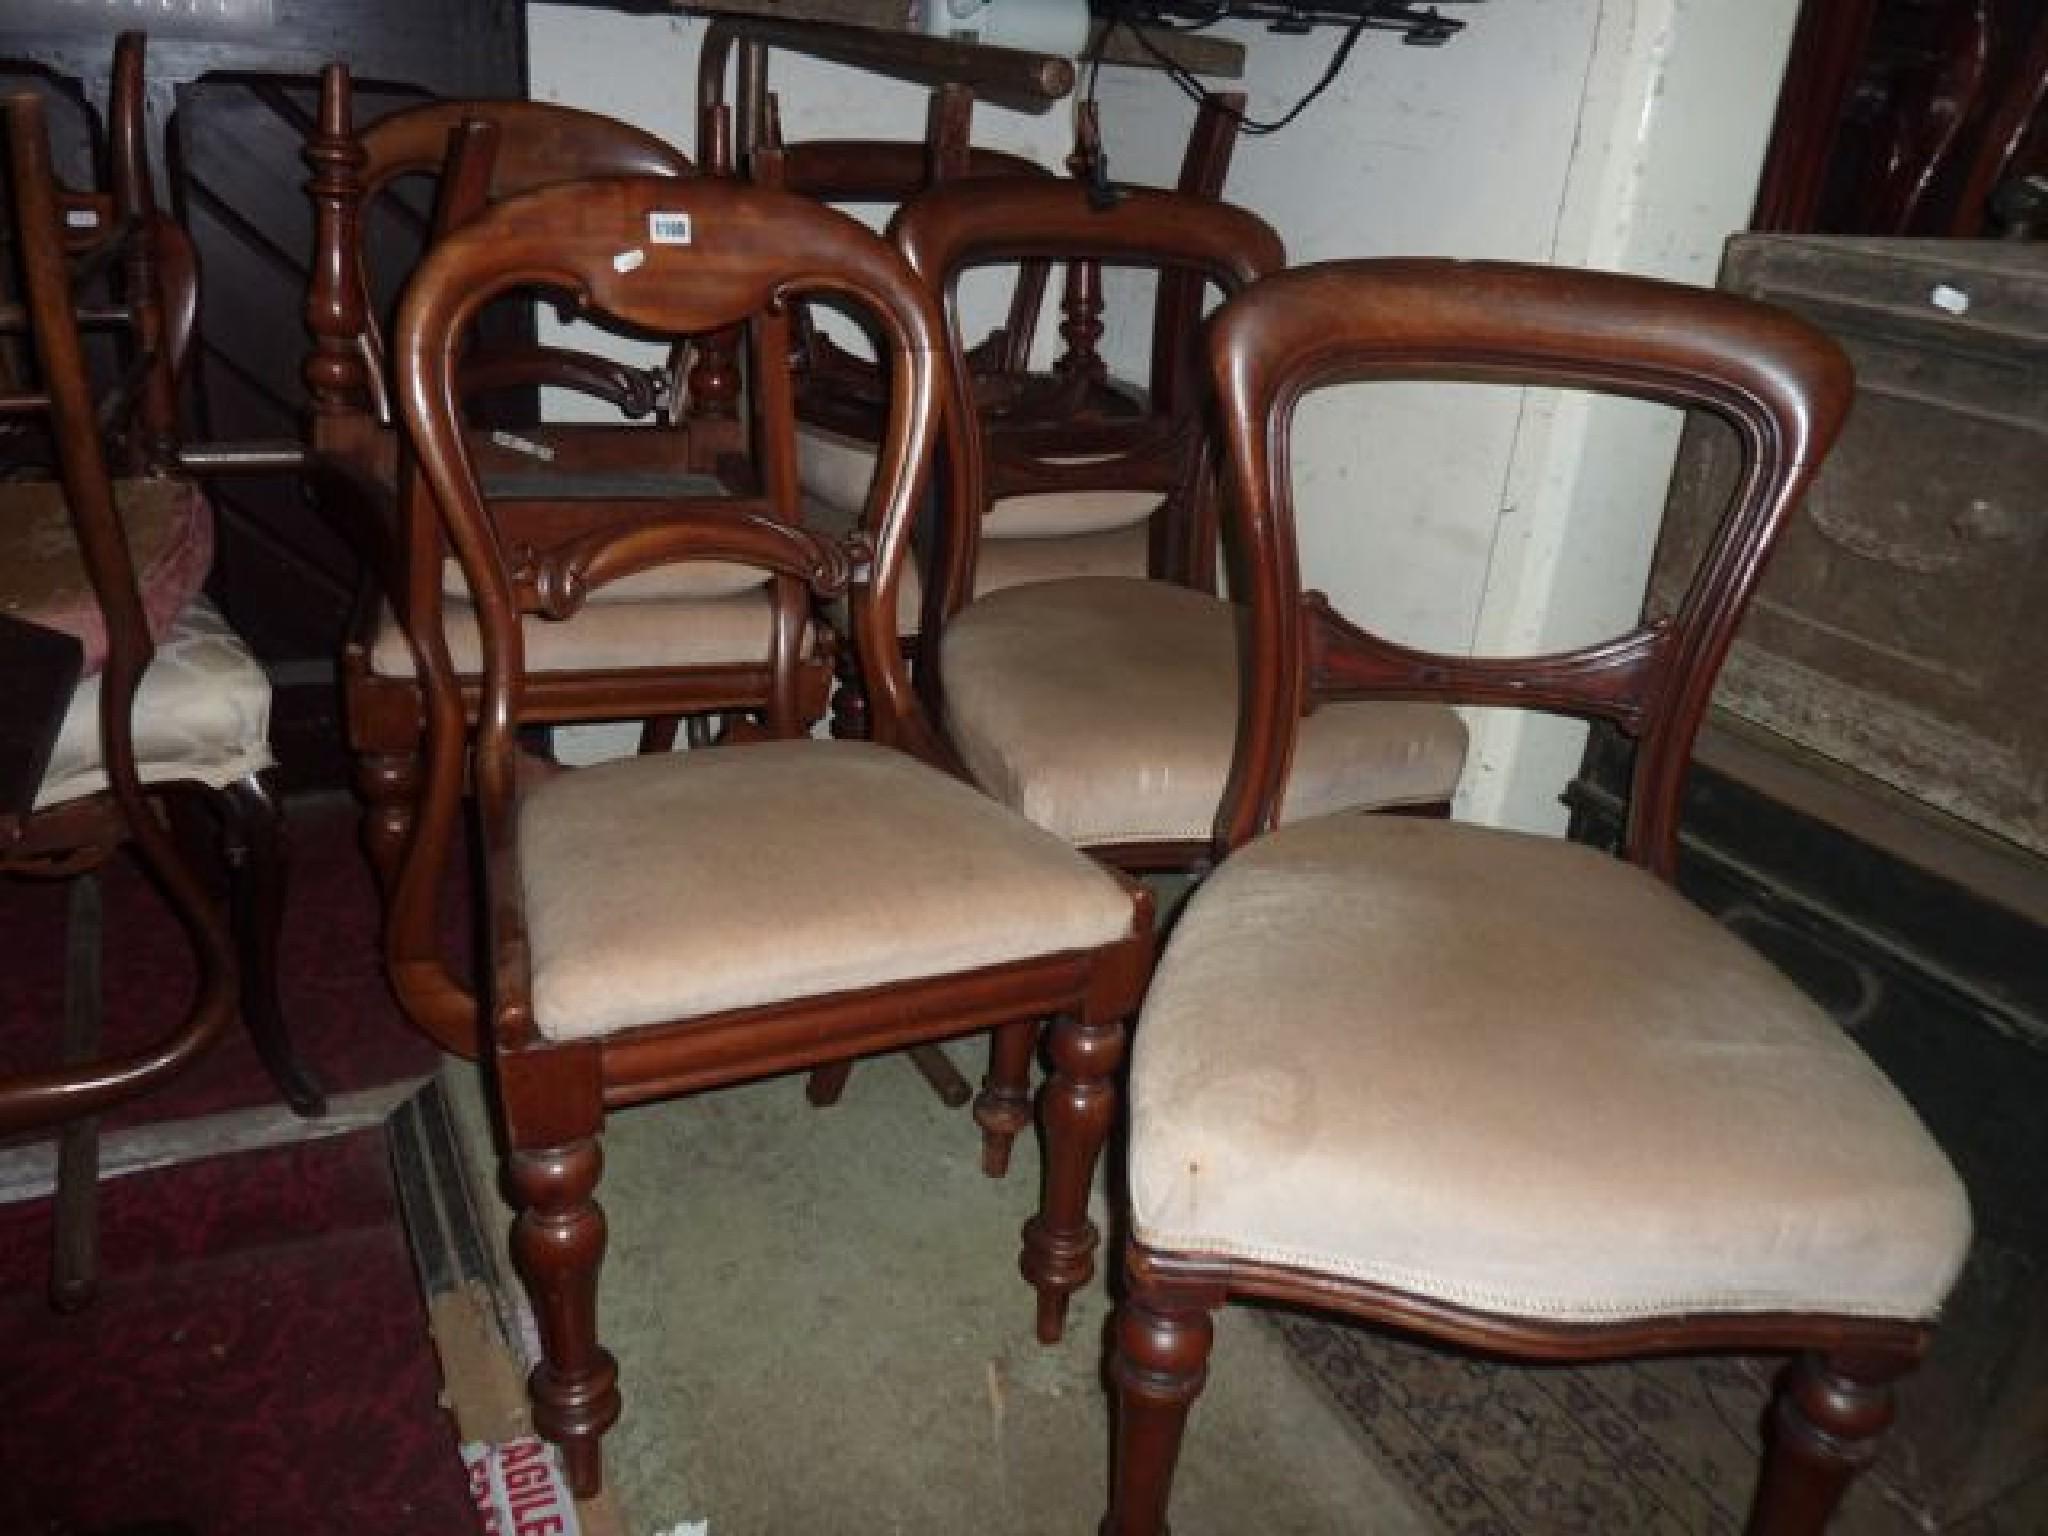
column 708, row 640
column 1912, row 117
column 1102, row 706
column 230, row 101
column 676, row 922
column 173, row 715
column 1868, row 792
column 1499, row 1090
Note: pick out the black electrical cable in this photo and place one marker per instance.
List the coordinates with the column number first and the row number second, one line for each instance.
column 1195, row 91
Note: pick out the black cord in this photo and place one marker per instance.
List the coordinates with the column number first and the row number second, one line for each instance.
column 1197, row 92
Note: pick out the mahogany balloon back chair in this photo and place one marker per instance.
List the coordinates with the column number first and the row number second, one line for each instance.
column 1506, row 1091
column 673, row 922
column 1042, row 429
column 712, row 638
column 128, row 695
column 1103, row 707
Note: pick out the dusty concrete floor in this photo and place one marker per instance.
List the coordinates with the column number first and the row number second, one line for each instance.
column 821, row 1330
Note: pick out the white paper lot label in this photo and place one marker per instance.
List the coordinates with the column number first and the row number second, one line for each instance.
column 668, row 228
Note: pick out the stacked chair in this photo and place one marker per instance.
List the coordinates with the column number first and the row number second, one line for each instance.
column 136, row 717
column 710, row 639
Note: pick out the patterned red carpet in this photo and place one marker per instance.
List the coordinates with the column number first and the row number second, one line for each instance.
column 347, row 1027
column 257, row 1359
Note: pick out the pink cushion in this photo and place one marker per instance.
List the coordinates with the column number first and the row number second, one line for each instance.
column 43, row 577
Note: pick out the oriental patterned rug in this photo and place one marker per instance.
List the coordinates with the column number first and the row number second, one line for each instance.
column 1657, row 1448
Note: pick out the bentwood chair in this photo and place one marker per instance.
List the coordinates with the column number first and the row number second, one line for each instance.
column 1103, row 707
column 153, row 704
column 682, row 642
column 669, row 923
column 1505, row 1091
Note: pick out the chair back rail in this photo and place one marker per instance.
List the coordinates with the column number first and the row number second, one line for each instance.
column 1778, row 382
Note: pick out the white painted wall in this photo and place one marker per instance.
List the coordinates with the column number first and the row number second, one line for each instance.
column 1622, row 134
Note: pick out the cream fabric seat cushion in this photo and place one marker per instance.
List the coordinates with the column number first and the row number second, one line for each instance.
column 672, row 887
column 682, row 580
column 1517, row 1075
column 1011, row 562
column 604, row 637
column 202, row 713
column 1106, row 710
column 840, row 471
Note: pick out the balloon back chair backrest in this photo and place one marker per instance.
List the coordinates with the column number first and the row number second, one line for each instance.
column 1780, row 384
column 675, row 258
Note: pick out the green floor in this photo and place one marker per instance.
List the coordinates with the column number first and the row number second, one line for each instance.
column 821, row 1330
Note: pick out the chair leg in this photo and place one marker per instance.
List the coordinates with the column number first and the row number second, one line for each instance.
column 826, row 1083
column 850, row 716
column 257, row 856
column 1080, row 1099
column 658, row 734
column 389, row 783
column 558, row 1244
column 1003, row 1107
column 940, row 1075
column 1829, row 1412
column 1158, row 1369
column 74, row 1266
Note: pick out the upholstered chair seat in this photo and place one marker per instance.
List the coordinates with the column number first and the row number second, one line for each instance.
column 1105, row 710
column 169, row 528
column 1040, row 536
column 1516, row 1075
column 733, row 628
column 202, row 714
column 667, row 888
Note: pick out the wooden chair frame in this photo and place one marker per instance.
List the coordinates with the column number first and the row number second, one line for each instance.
column 498, row 148
column 1193, row 239
column 235, row 946
column 1784, row 389
column 760, row 252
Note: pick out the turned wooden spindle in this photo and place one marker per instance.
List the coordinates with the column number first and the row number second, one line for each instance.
column 155, row 438
column 335, row 373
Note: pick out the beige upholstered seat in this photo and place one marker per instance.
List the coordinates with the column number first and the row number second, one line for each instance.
column 660, row 888
column 1514, row 1074
column 1042, row 536
column 202, row 713
column 1106, row 710
column 606, row 636
column 689, row 581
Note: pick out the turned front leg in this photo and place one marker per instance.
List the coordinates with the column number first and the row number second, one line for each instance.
column 1003, row 1107
column 1080, row 1100
column 558, row 1244
column 1829, row 1413
column 1159, row 1367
